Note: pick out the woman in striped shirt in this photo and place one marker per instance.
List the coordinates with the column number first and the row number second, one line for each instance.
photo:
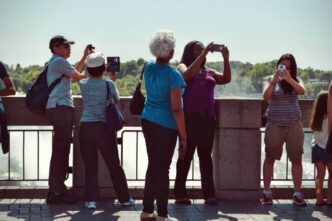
column 281, row 90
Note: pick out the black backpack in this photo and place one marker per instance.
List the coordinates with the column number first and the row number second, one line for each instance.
column 37, row 96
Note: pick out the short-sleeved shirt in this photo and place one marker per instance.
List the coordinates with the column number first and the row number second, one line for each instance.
column 61, row 93
column 3, row 74
column 283, row 109
column 199, row 94
column 320, row 137
column 159, row 80
column 94, row 97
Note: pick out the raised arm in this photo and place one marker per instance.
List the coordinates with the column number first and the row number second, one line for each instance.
column 224, row 78
column 190, row 72
column 9, row 87
column 298, row 86
column 268, row 86
column 77, row 76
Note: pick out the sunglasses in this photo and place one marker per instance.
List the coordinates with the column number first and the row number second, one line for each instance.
column 66, row 46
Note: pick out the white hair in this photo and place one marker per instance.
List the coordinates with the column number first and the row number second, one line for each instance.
column 162, row 43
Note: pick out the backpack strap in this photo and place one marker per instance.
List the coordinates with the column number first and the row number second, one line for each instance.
column 56, row 81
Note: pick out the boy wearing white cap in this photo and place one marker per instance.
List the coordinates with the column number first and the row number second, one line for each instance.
column 94, row 133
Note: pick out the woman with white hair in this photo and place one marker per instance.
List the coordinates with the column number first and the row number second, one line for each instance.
column 162, row 122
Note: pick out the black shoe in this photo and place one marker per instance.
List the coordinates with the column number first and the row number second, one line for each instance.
column 183, row 201
column 64, row 198
column 211, row 201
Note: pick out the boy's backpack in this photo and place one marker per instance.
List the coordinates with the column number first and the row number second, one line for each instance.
column 37, row 96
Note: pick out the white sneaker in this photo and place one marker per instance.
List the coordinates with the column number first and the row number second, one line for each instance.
column 160, row 218
column 130, row 202
column 148, row 216
column 91, row 205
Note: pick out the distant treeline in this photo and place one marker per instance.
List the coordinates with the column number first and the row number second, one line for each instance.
column 247, row 79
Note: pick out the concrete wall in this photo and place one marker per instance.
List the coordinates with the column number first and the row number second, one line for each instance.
column 237, row 146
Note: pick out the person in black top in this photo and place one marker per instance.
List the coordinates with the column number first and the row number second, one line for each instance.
column 8, row 89
column 9, row 85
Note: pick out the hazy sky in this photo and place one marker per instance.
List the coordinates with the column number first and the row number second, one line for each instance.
column 254, row 30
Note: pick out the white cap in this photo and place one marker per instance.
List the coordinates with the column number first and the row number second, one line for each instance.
column 94, row 60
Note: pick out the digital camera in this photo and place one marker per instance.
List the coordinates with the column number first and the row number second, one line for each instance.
column 113, row 64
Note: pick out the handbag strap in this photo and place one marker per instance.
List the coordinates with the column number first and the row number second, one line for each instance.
column 141, row 76
column 108, row 90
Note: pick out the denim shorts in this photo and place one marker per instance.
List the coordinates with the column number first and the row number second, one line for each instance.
column 319, row 154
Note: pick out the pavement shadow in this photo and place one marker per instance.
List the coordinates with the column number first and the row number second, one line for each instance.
column 110, row 210
column 106, row 210
column 285, row 210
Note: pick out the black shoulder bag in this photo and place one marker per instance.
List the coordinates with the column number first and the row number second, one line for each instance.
column 114, row 119
column 138, row 100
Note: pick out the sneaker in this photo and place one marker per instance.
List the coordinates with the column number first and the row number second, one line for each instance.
column 91, row 205
column 65, row 198
column 148, row 216
column 130, row 202
column 183, row 201
column 161, row 218
column 267, row 198
column 298, row 199
column 211, row 201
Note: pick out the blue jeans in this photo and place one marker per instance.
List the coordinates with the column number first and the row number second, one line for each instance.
column 61, row 118
column 160, row 144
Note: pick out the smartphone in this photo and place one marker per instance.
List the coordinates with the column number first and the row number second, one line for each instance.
column 281, row 70
column 217, row 47
column 113, row 64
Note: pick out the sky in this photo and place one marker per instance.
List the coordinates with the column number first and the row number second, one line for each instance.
column 254, row 30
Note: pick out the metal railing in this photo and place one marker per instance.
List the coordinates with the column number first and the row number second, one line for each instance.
column 15, row 165
column 19, row 162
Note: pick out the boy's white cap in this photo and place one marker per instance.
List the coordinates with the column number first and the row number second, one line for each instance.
column 94, row 60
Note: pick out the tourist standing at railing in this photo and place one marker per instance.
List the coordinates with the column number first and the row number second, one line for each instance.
column 60, row 111
column 281, row 90
column 162, row 122
column 95, row 135
column 321, row 128
column 200, row 116
column 9, row 89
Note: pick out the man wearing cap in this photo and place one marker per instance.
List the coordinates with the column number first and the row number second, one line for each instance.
column 59, row 110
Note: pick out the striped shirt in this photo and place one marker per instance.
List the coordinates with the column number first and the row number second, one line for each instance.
column 94, row 97
column 284, row 109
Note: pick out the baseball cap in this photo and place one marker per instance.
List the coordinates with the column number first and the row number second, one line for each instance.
column 59, row 39
column 94, row 60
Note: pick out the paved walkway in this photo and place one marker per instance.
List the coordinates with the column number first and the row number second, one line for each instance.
column 37, row 210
